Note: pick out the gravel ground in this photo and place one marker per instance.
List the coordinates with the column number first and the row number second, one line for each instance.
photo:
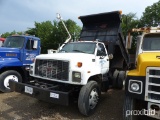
column 15, row 106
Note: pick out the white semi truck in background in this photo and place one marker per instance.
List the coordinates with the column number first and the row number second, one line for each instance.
column 81, row 69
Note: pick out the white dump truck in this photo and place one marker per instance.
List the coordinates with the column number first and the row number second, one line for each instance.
column 81, row 69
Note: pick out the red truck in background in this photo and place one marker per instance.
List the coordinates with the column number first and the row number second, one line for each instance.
column 1, row 41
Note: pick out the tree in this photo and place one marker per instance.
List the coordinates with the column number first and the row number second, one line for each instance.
column 43, row 31
column 52, row 35
column 31, row 31
column 151, row 15
column 130, row 21
column 4, row 35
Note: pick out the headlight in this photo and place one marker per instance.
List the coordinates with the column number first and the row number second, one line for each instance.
column 76, row 76
column 135, row 86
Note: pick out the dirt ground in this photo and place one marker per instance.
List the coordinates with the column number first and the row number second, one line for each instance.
column 15, row 106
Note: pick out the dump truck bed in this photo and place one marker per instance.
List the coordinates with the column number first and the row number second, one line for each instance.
column 106, row 28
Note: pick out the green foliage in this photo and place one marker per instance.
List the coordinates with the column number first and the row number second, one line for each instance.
column 151, row 15
column 10, row 33
column 44, row 31
column 52, row 35
column 31, row 31
column 130, row 21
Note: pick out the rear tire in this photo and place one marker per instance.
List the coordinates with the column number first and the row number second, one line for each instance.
column 121, row 80
column 88, row 98
column 115, row 76
column 6, row 76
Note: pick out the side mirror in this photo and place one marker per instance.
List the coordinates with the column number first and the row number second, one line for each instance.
column 51, row 51
column 129, row 41
column 110, row 56
column 35, row 44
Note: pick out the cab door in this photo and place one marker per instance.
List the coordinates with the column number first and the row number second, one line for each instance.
column 102, row 58
column 30, row 51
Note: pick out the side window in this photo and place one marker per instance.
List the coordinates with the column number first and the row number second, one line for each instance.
column 29, row 45
column 101, row 50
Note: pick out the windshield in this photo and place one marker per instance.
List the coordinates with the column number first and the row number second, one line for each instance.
column 79, row 47
column 14, row 42
column 151, row 42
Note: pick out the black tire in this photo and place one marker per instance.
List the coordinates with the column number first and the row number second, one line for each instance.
column 129, row 105
column 115, row 76
column 14, row 75
column 85, row 98
column 121, row 79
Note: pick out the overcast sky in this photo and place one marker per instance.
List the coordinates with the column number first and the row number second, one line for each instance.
column 19, row 15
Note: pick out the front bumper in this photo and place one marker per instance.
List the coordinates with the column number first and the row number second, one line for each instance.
column 48, row 95
column 150, row 103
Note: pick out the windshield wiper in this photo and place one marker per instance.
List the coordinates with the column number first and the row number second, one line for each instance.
column 79, row 51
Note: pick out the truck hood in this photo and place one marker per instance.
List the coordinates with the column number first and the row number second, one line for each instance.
column 66, row 56
column 147, row 59
column 9, row 52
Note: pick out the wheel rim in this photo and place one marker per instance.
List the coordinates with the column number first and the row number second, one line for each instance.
column 9, row 77
column 93, row 98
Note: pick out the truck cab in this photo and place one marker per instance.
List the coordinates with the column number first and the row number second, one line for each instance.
column 75, row 63
column 16, row 54
column 81, row 69
column 142, row 87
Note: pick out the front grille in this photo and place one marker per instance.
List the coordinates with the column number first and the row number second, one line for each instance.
column 152, row 92
column 53, row 69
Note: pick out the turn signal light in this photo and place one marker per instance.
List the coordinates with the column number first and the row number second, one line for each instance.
column 79, row 64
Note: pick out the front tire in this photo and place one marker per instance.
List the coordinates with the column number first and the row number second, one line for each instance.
column 6, row 76
column 128, row 107
column 88, row 98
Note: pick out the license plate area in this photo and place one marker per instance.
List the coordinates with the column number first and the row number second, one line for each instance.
column 28, row 90
column 54, row 95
